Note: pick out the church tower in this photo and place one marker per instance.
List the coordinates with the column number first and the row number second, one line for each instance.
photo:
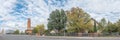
column 29, row 24
column 29, row 30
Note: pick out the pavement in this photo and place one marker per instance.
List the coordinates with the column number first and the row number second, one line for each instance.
column 31, row 37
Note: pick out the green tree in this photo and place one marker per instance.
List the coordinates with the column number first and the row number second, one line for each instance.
column 57, row 20
column 118, row 25
column 39, row 29
column 35, row 30
column 77, row 21
column 16, row 32
column 111, row 27
column 102, row 26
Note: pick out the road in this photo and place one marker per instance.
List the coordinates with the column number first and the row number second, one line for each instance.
column 28, row 37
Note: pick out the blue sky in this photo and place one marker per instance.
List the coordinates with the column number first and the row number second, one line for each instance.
column 14, row 13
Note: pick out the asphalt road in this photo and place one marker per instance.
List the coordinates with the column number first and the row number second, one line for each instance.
column 28, row 37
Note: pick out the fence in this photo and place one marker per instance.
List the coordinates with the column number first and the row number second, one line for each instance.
column 84, row 34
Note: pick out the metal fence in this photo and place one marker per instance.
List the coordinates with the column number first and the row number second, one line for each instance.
column 84, row 34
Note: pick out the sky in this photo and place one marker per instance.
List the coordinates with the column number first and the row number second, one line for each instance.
column 14, row 13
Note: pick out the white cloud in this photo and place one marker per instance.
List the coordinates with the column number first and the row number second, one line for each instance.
column 99, row 8
column 5, row 9
column 103, row 8
column 39, row 10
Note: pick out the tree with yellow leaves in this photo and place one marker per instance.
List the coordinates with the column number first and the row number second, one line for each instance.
column 77, row 21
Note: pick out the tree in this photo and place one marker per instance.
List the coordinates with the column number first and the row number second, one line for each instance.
column 118, row 25
column 39, row 29
column 102, row 26
column 103, row 22
column 111, row 27
column 35, row 30
column 16, row 32
column 77, row 21
column 57, row 20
